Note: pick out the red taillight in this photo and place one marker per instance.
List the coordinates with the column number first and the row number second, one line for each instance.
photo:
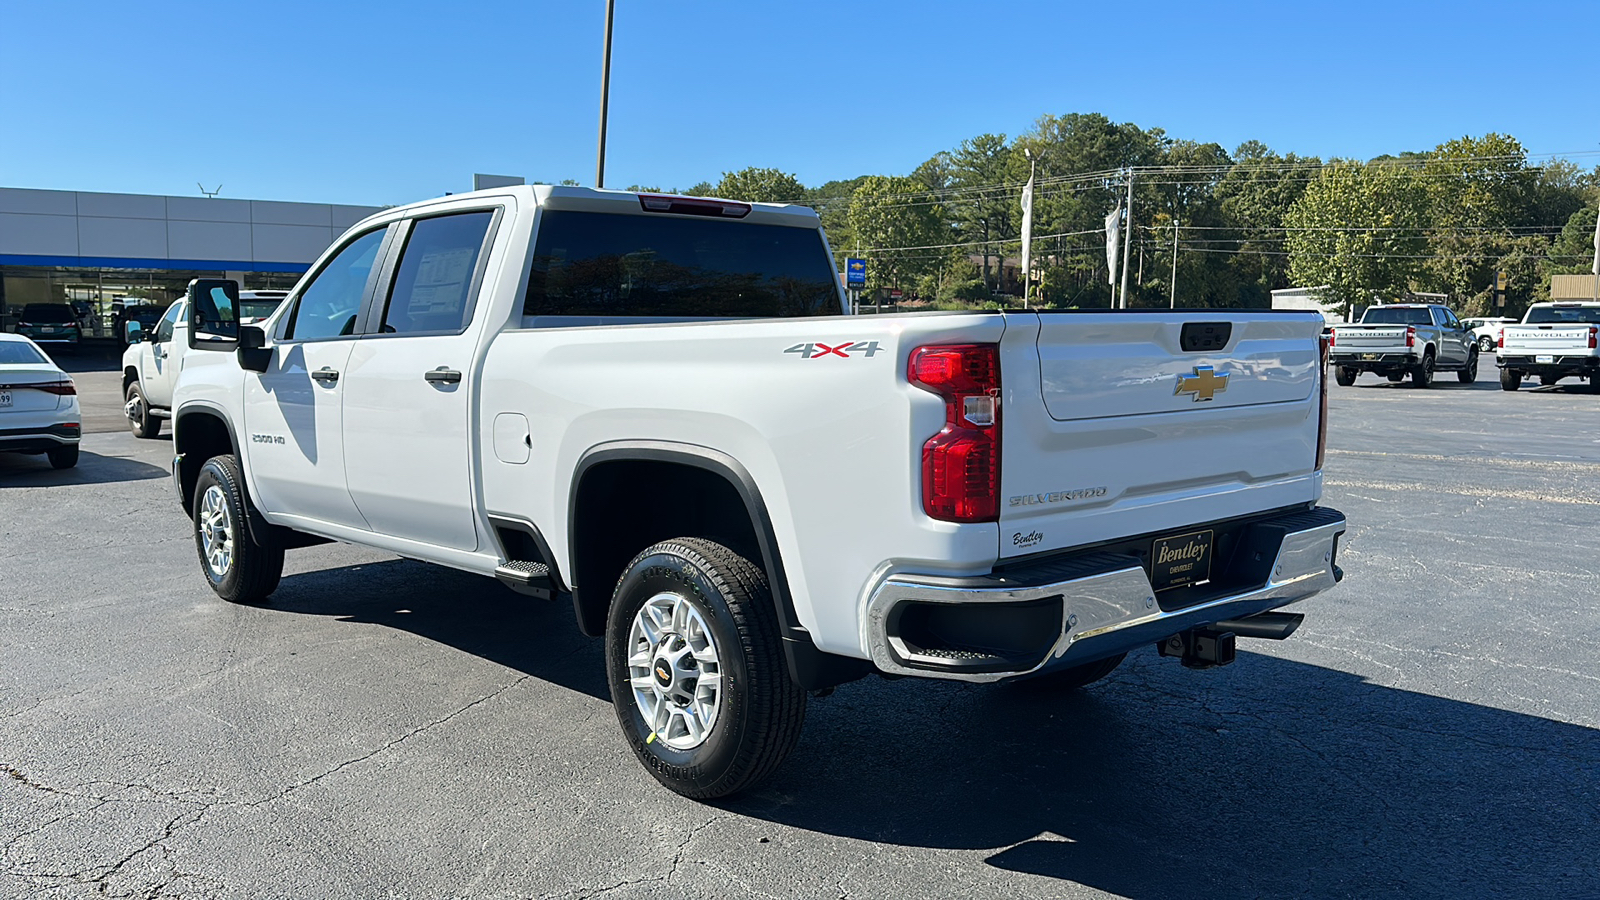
column 1411, row 335
column 1333, row 336
column 961, row 464
column 693, row 206
column 1500, row 339
column 63, row 388
column 1594, row 336
column 1322, row 412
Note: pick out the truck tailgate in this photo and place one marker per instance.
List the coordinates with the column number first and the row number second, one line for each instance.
column 1127, row 428
column 1547, row 339
column 1370, row 338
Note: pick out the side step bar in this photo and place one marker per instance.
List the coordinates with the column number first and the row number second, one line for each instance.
column 524, row 577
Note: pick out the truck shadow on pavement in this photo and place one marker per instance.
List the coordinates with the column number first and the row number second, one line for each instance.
column 19, row 470
column 1266, row 778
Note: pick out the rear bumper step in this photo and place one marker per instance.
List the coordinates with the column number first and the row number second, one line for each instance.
column 1088, row 607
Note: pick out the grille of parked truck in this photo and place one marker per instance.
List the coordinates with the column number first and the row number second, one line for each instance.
column 661, row 411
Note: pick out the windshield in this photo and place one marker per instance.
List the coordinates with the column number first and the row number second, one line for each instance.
column 1564, row 315
column 48, row 312
column 606, row 264
column 1397, row 315
column 19, row 353
column 258, row 308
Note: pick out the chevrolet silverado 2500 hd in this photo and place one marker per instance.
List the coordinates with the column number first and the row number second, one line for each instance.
column 1554, row 340
column 1400, row 339
column 660, row 410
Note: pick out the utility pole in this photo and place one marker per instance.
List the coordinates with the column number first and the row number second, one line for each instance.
column 1128, row 242
column 605, row 98
column 1172, row 289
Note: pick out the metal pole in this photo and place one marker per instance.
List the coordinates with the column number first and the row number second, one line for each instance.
column 605, row 98
column 1127, row 244
column 1172, row 289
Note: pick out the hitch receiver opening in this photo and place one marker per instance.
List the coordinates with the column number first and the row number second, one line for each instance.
column 1199, row 648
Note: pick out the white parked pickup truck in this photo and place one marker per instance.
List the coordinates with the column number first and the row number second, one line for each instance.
column 1555, row 340
column 661, row 410
column 152, row 360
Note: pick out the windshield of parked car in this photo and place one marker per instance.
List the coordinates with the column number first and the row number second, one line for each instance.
column 19, row 353
column 1564, row 315
column 606, row 264
column 1393, row 315
column 48, row 312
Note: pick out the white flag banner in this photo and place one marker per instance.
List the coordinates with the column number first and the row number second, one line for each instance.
column 1027, row 232
column 1113, row 243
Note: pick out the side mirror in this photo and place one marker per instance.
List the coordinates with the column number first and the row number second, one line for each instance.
column 134, row 332
column 253, row 353
column 213, row 314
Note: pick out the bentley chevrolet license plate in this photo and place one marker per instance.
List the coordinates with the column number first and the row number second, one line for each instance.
column 1180, row 560
column 1544, row 359
column 1369, row 356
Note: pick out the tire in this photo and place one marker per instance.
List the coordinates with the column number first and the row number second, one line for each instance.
column 63, row 457
column 1486, row 344
column 1422, row 375
column 1510, row 380
column 140, row 422
column 1345, row 375
column 1470, row 373
column 1074, row 677
column 718, row 610
column 1548, row 380
column 240, row 569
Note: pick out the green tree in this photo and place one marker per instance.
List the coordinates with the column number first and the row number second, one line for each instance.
column 983, row 207
column 755, row 185
column 1255, row 196
column 1357, row 230
column 883, row 220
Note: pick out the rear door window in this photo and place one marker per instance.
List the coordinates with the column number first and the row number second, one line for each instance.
column 619, row 265
column 432, row 289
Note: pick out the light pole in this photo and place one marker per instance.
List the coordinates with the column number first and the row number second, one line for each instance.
column 1172, row 289
column 605, row 97
column 1127, row 245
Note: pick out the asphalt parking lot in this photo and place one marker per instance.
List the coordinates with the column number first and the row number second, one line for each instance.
column 389, row 728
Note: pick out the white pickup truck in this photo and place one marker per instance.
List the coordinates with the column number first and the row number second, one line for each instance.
column 1555, row 340
column 1399, row 339
column 152, row 360
column 660, row 409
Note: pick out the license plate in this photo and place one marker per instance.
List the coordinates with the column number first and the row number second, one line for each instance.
column 1180, row 560
column 1544, row 359
column 1369, row 356
column 48, row 329
column 5, row 399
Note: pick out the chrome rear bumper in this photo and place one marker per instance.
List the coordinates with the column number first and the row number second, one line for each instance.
column 1106, row 604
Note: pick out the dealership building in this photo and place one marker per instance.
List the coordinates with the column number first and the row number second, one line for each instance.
column 99, row 252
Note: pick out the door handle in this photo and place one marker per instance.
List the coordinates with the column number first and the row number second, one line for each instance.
column 325, row 374
column 442, row 375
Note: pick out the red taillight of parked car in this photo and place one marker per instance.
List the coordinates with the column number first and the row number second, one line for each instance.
column 961, row 464
column 1500, row 339
column 1333, row 338
column 1322, row 411
column 63, row 388
column 1594, row 337
column 1411, row 335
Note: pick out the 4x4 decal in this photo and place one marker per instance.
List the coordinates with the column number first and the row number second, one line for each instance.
column 817, row 350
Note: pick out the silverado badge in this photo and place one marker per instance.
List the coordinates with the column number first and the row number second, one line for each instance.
column 1204, row 384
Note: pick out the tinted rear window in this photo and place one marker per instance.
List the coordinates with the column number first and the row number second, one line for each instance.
column 1557, row 315
column 1393, row 316
column 604, row 264
column 258, row 308
column 48, row 312
column 19, row 353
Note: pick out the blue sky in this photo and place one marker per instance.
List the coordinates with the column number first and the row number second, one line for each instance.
column 386, row 103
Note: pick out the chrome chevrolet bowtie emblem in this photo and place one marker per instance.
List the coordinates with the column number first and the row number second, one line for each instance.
column 1204, row 384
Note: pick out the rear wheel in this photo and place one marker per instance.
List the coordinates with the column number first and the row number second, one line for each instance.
column 1470, row 373
column 696, row 668
column 1075, row 677
column 1345, row 375
column 1422, row 375
column 1510, row 380
column 1486, row 344
column 1548, row 380
column 63, row 457
column 240, row 569
column 140, row 421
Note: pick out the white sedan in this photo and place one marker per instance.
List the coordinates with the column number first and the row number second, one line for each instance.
column 38, row 404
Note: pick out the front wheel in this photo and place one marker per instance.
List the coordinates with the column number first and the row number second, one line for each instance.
column 1470, row 373
column 1486, row 344
column 1345, row 375
column 1510, row 380
column 696, row 668
column 240, row 569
